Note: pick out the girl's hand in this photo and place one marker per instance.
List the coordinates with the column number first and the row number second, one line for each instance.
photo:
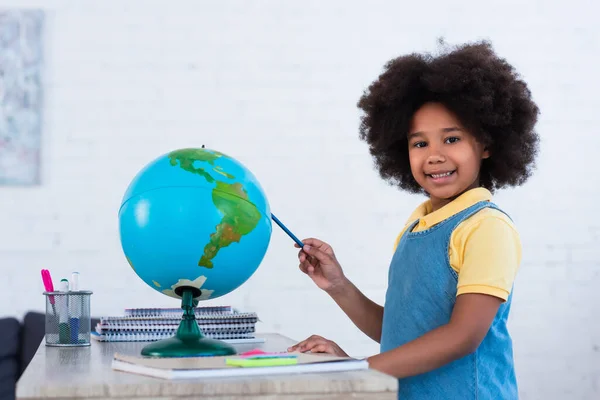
column 318, row 344
column 318, row 261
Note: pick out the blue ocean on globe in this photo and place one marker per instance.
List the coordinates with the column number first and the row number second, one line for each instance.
column 195, row 217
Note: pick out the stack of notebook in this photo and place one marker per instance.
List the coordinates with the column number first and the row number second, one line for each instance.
column 151, row 324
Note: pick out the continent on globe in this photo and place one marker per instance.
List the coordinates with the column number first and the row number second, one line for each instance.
column 240, row 215
column 187, row 157
column 197, row 283
column 240, row 218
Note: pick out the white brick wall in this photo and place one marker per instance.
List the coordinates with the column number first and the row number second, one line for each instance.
column 275, row 84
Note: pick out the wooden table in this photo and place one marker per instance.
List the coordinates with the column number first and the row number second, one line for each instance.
column 85, row 372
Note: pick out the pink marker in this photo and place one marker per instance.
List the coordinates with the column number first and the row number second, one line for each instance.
column 47, row 280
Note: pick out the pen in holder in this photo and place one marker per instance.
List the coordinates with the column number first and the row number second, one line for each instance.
column 68, row 321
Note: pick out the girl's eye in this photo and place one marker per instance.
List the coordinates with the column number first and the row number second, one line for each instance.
column 452, row 139
column 419, row 144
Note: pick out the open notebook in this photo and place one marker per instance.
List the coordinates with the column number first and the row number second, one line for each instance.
column 215, row 367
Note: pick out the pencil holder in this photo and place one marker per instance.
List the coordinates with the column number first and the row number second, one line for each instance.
column 68, row 322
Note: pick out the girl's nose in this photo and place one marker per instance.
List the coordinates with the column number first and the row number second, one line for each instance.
column 436, row 158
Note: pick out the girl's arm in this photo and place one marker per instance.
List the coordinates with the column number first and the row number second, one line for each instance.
column 366, row 314
column 471, row 319
column 319, row 262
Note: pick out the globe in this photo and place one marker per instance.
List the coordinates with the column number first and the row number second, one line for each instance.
column 194, row 218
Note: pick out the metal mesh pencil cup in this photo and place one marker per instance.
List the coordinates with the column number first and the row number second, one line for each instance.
column 68, row 322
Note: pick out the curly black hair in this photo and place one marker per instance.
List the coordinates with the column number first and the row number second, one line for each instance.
column 481, row 89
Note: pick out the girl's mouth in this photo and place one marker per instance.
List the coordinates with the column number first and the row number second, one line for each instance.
column 441, row 174
column 441, row 177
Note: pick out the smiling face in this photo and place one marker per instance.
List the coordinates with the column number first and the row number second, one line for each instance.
column 444, row 157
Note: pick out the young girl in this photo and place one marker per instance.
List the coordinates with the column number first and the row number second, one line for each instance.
column 454, row 127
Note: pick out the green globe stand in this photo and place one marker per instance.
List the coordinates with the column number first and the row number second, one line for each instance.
column 189, row 341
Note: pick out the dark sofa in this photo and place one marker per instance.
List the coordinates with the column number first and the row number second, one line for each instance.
column 19, row 340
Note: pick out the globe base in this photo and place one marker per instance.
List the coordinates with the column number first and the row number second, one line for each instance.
column 189, row 340
column 176, row 347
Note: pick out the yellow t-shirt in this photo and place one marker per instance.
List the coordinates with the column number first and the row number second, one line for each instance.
column 485, row 249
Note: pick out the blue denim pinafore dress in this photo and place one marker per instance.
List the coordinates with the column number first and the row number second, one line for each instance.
column 420, row 297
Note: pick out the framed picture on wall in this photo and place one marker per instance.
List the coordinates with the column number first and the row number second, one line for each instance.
column 20, row 96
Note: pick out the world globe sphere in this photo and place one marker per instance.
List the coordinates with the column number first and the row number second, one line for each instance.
column 197, row 218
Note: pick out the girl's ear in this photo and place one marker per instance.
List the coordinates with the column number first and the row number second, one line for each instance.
column 485, row 154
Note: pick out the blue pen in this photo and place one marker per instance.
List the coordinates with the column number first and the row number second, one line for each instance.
column 286, row 230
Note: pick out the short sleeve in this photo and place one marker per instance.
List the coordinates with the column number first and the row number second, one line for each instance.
column 491, row 255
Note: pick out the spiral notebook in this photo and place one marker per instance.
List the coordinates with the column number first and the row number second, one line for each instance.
column 154, row 336
column 151, row 324
column 178, row 312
